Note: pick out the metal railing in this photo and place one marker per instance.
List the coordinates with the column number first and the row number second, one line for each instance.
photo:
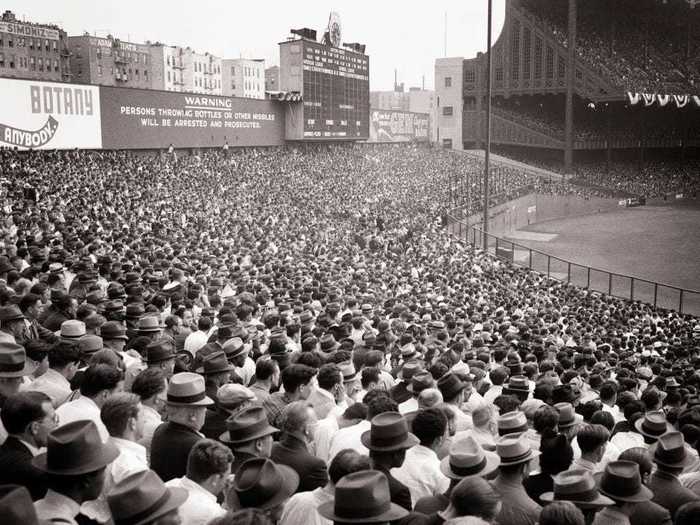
column 660, row 295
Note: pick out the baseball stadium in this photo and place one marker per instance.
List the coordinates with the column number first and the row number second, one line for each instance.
column 238, row 295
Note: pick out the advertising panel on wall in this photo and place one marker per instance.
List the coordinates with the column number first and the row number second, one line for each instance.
column 139, row 118
column 48, row 115
column 398, row 126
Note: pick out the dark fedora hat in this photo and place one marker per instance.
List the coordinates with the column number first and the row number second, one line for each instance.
column 16, row 506
column 187, row 389
column 328, row 343
column 389, row 431
column 567, row 415
column 420, row 381
column 75, row 448
column 450, row 385
column 579, row 487
column 142, row 498
column 134, row 310
column 159, row 351
column 362, row 497
column 669, row 451
column 468, row 458
column 248, row 424
column 518, row 386
column 621, row 481
column 13, row 361
column 653, row 424
column 11, row 313
column 409, row 369
column 113, row 330
column 263, row 484
column 215, row 363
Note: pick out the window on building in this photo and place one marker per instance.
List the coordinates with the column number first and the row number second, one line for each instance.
column 549, row 62
column 145, row 74
column 55, row 65
column 98, row 53
column 20, row 42
column 233, row 70
column 167, row 60
column 55, row 46
column 168, row 76
column 447, row 143
column 99, row 70
column 526, row 52
column 515, row 51
column 469, row 76
column 40, row 63
column 47, row 46
column 10, row 42
column 447, row 111
column 448, row 82
column 538, row 57
column 561, row 67
column 136, row 72
column 32, row 63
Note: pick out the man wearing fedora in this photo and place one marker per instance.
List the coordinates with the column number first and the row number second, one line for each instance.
column 99, row 382
column 143, row 499
column 216, row 371
column 515, row 454
column 28, row 418
column 387, row 440
column 230, row 399
column 172, row 441
column 160, row 353
column 670, row 457
column 622, row 483
column 16, row 506
column 14, row 366
column 301, row 507
column 579, row 487
column 75, row 461
column 466, row 459
column 249, row 435
column 208, row 469
column 453, row 392
column 13, row 328
column 262, row 484
column 369, row 487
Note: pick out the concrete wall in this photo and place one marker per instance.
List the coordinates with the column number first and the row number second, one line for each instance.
column 533, row 208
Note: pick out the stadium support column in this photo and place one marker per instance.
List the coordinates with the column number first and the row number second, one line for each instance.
column 570, row 79
column 487, row 142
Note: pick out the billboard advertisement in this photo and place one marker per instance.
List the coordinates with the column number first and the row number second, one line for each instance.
column 140, row 118
column 48, row 115
column 398, row 126
column 336, row 92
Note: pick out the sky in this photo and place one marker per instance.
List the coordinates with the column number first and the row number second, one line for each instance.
column 398, row 35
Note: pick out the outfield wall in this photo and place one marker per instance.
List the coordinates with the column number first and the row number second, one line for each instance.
column 533, row 208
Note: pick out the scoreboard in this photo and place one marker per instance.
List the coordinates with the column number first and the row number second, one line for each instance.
column 336, row 92
column 334, row 83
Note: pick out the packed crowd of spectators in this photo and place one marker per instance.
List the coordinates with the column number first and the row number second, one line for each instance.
column 640, row 46
column 291, row 336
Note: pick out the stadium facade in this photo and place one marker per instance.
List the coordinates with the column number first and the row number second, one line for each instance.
column 634, row 88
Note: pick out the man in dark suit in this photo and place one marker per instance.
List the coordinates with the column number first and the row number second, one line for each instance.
column 248, row 435
column 172, row 441
column 387, row 441
column 670, row 456
column 298, row 421
column 28, row 418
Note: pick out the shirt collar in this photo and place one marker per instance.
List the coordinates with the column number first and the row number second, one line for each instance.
column 34, row 450
column 191, row 486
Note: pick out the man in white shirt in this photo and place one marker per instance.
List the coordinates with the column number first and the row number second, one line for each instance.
column 301, row 508
column 99, row 382
column 198, row 339
column 64, row 359
column 420, row 471
column 208, row 467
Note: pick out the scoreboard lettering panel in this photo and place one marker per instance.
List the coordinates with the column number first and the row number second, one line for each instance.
column 336, row 92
